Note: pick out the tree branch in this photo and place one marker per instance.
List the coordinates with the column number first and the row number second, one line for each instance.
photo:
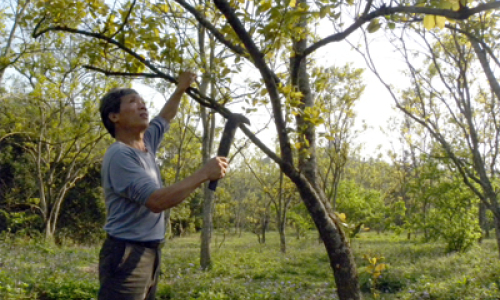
column 13, row 133
column 462, row 14
column 194, row 93
column 126, row 74
column 216, row 33
column 124, row 21
column 270, row 79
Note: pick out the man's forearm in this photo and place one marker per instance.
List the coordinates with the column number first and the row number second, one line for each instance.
column 174, row 194
column 170, row 109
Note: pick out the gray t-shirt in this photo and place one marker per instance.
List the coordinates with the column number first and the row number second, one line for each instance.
column 129, row 177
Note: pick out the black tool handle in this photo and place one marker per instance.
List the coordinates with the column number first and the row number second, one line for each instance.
column 223, row 151
column 227, row 140
column 213, row 185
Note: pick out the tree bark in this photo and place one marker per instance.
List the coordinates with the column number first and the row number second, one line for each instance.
column 207, row 141
column 481, row 55
column 336, row 244
column 206, row 232
column 281, row 216
column 265, row 223
column 497, row 233
column 282, row 238
column 482, row 221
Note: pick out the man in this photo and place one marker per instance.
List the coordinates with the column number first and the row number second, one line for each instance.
column 129, row 261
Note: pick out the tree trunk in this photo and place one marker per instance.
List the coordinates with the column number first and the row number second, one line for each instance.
column 336, row 244
column 282, row 237
column 206, row 232
column 49, row 234
column 481, row 55
column 263, row 228
column 208, row 134
column 341, row 259
column 497, row 233
column 281, row 216
column 482, row 221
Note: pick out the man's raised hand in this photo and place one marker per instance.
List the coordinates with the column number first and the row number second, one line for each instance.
column 186, row 78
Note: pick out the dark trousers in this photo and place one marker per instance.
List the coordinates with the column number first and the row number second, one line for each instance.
column 128, row 270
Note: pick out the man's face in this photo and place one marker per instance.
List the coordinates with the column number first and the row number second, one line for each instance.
column 133, row 113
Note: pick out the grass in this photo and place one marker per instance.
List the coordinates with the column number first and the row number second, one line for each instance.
column 245, row 269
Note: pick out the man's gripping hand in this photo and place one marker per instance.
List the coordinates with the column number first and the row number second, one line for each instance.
column 186, row 78
column 216, row 168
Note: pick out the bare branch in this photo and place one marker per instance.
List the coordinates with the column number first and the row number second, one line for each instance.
column 462, row 14
column 126, row 19
column 216, row 33
column 270, row 79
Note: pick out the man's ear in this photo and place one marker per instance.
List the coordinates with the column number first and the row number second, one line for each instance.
column 114, row 117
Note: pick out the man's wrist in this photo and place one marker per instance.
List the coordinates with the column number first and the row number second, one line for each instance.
column 203, row 175
column 180, row 90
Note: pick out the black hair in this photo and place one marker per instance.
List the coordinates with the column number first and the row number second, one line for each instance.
column 110, row 103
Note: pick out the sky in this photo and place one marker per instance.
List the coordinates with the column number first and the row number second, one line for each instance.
column 375, row 107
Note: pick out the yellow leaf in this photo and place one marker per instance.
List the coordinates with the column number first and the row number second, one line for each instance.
column 265, row 5
column 292, row 3
column 429, row 22
column 373, row 260
column 440, row 21
column 342, row 217
column 380, row 268
column 444, row 5
column 286, row 89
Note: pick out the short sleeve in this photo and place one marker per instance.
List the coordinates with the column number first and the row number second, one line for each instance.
column 154, row 134
column 130, row 179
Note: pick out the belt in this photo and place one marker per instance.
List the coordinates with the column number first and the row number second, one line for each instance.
column 147, row 244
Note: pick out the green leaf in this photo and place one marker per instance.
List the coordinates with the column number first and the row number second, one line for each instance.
column 373, row 26
column 324, row 11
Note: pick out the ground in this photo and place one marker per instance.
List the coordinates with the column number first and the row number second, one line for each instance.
column 245, row 269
